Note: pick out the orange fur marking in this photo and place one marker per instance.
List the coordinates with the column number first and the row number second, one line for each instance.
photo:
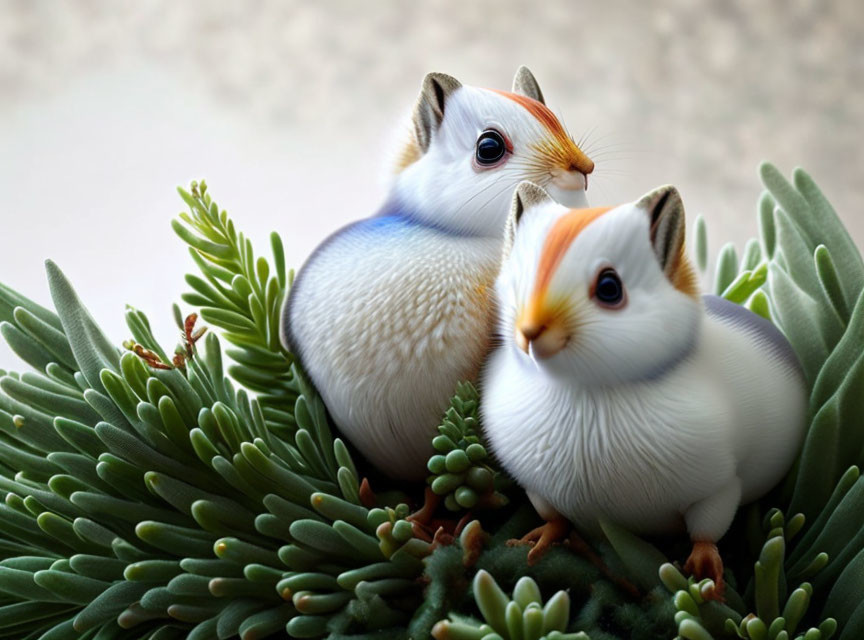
column 560, row 237
column 539, row 311
column 538, row 110
column 682, row 275
column 408, row 155
column 564, row 152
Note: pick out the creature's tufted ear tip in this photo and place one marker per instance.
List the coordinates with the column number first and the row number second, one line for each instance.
column 665, row 209
column 526, row 196
column 524, row 83
column 446, row 82
column 429, row 110
column 659, row 199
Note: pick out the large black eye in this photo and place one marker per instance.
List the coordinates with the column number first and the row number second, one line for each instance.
column 608, row 290
column 490, row 147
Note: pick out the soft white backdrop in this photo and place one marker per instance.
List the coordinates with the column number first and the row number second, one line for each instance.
column 288, row 110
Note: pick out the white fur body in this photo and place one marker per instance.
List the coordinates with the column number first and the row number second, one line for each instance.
column 655, row 415
column 390, row 315
column 719, row 429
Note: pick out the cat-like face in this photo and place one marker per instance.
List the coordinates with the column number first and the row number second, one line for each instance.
column 602, row 296
column 473, row 146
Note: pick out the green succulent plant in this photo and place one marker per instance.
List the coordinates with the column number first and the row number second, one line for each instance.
column 522, row 617
column 460, row 470
column 157, row 494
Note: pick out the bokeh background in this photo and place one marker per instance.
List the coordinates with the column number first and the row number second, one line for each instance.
column 289, row 109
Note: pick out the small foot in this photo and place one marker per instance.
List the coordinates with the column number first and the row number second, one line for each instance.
column 542, row 538
column 705, row 562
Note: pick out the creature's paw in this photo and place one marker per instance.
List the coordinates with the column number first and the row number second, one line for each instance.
column 542, row 538
column 705, row 562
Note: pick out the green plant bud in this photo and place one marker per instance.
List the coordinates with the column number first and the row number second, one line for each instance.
column 796, row 607
column 476, row 452
column 443, row 444
column 402, row 511
column 262, row 573
column 307, row 626
column 828, row 627
column 457, row 461
column 814, row 566
column 402, row 531
column 375, row 518
column 532, row 624
column 684, row 602
column 756, row 629
column 691, row 630
column 364, row 545
column 794, row 525
column 556, row 613
column 513, row 619
column 446, row 483
column 672, row 579
column 453, row 630
column 348, row 580
column 526, row 591
column 450, row 503
column 700, row 243
column 335, row 508
column 465, row 497
column 776, row 627
column 490, row 599
column 480, row 479
column 311, row 603
column 437, row 464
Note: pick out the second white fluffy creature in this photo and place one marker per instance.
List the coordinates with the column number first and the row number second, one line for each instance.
column 622, row 394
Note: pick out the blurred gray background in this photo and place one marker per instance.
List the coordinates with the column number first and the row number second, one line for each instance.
column 289, row 110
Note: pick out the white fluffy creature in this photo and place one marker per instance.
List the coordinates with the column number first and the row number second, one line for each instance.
column 619, row 393
column 389, row 313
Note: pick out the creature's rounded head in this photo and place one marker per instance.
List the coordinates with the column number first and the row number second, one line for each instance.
column 470, row 147
column 601, row 296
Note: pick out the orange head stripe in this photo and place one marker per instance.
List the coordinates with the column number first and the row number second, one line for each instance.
column 559, row 239
column 537, row 109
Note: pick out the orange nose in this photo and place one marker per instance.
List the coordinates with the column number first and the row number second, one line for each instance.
column 525, row 333
column 542, row 341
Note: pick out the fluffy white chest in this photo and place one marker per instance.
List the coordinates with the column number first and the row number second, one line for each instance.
column 638, row 457
column 725, row 421
column 388, row 316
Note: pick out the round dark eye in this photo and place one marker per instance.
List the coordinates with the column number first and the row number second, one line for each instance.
column 609, row 289
column 490, row 147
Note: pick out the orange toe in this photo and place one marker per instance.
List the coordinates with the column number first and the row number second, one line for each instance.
column 705, row 562
column 543, row 537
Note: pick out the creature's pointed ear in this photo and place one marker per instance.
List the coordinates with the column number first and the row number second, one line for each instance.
column 525, row 83
column 527, row 196
column 429, row 110
column 666, row 215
